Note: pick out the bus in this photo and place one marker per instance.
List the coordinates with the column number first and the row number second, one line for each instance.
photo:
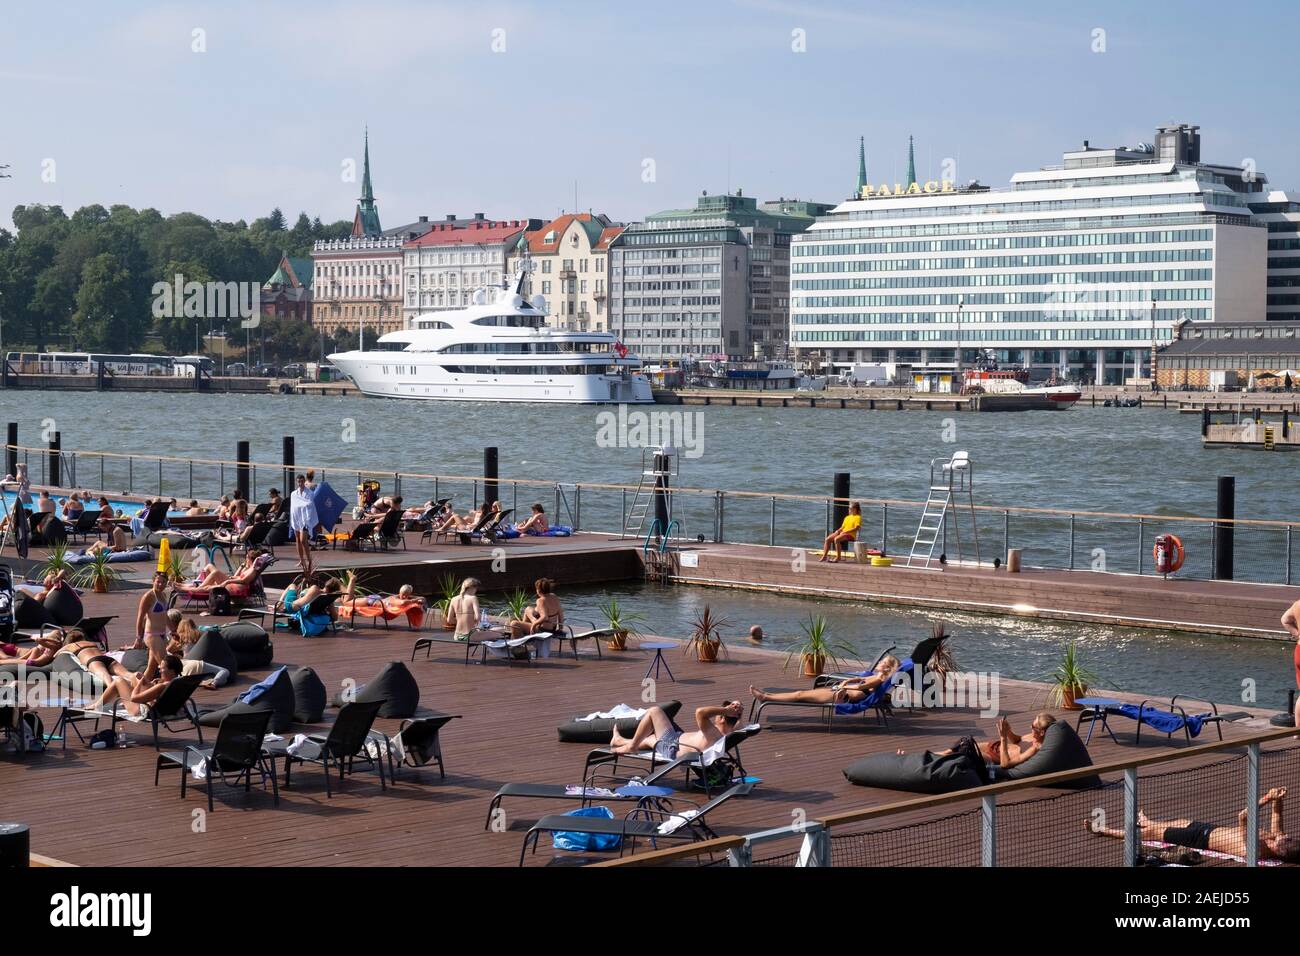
column 87, row 363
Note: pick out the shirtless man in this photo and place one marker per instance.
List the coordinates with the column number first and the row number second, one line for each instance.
column 1291, row 621
column 1010, row 749
column 657, row 732
column 1274, row 844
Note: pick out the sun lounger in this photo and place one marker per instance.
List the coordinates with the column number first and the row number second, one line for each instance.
column 719, row 763
column 174, row 705
column 87, row 523
column 1168, row 722
column 235, row 756
column 674, row 822
column 385, row 607
column 648, row 789
column 337, row 750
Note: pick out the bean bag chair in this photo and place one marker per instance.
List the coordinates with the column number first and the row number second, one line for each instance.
column 50, row 530
column 63, row 606
column 29, row 612
column 278, row 535
column 250, row 643
column 310, row 698
column 599, row 731
column 177, row 540
column 136, row 659
column 274, row 693
column 212, row 648
column 922, row 772
column 1061, row 750
column 394, row 685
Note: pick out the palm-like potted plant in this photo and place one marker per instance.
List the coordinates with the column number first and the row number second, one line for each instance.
column 448, row 589
column 57, row 561
column 516, row 603
column 98, row 573
column 1070, row 680
column 706, row 636
column 621, row 623
column 817, row 648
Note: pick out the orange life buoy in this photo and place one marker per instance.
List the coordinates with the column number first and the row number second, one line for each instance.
column 1168, row 553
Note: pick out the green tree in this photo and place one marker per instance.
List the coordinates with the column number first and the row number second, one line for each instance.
column 107, row 317
column 177, row 331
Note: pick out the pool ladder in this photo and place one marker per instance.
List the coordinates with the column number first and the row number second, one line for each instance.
column 659, row 558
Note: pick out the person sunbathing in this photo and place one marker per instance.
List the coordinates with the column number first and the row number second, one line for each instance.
column 535, row 523
column 138, row 693
column 1274, row 843
column 544, row 615
column 116, row 543
column 46, row 649
column 851, row 690
column 657, row 732
column 212, row 576
column 1009, row 749
column 90, row 656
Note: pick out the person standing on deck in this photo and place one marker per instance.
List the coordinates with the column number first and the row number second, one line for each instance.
column 1291, row 621
column 303, row 521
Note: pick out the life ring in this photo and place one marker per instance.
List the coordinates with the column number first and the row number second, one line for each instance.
column 1170, row 548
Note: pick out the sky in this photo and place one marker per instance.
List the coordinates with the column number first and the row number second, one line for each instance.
column 229, row 109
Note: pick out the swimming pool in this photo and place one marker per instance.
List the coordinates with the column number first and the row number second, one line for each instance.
column 119, row 505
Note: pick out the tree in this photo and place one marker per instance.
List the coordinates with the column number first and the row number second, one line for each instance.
column 179, row 331
column 107, row 317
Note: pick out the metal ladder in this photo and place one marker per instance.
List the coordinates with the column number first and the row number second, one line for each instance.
column 949, row 478
column 653, row 467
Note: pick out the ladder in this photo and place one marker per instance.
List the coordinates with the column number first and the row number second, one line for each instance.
column 950, row 478
column 656, row 463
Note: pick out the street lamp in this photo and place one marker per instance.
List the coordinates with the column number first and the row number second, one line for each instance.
column 1154, row 386
column 961, row 304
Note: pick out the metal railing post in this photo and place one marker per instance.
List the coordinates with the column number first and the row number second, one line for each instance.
column 771, row 524
column 1006, row 533
column 741, row 856
column 1130, row 816
column 989, row 830
column 1142, row 540
column 816, row 847
column 514, row 495
column 221, row 480
column 191, row 463
column 1288, row 554
column 130, row 474
column 623, row 504
column 101, row 474
column 160, row 478
column 577, row 507
column 1252, row 804
column 1071, row 541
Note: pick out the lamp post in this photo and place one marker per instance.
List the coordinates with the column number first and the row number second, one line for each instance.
column 961, row 304
column 1154, row 386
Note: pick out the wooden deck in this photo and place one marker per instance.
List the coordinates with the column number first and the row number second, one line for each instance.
column 100, row 807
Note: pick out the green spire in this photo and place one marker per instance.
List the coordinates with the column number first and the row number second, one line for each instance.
column 911, row 163
column 862, row 165
column 366, row 220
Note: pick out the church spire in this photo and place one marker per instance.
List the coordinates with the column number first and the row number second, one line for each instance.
column 366, row 220
column 862, row 165
column 911, row 162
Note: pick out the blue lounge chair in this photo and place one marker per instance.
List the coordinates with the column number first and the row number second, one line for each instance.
column 1168, row 722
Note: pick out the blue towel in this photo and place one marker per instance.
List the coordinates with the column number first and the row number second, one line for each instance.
column 1163, row 720
column 251, row 695
column 329, row 506
column 878, row 696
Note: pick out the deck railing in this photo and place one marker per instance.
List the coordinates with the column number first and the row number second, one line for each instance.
column 1048, row 537
column 987, row 828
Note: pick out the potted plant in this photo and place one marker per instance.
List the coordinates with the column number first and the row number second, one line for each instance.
column 941, row 663
column 98, row 573
column 448, row 589
column 516, row 603
column 1070, row 681
column 816, row 648
column 706, row 636
column 621, row 623
column 56, row 561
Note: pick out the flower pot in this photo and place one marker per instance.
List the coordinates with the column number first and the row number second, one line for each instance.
column 99, row 585
column 1071, row 694
column 707, row 651
column 617, row 641
column 448, row 620
column 813, row 664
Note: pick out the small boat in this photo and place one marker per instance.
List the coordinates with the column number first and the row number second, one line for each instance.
column 1009, row 390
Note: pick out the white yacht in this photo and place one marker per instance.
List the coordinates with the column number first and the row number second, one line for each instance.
column 499, row 349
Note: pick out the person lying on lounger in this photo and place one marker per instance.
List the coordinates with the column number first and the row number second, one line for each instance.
column 47, row 646
column 535, row 523
column 1009, row 749
column 213, row 576
column 137, row 693
column 658, row 733
column 1274, row 844
column 851, row 690
column 118, row 542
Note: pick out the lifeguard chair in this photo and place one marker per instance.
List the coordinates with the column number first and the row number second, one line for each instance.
column 951, row 479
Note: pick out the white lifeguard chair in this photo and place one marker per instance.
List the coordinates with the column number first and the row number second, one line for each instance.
column 659, row 468
column 950, row 478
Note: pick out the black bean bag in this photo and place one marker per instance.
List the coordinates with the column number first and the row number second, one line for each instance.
column 176, row 540
column 922, row 772
column 278, row 535
column 64, row 606
column 278, row 698
column 394, row 685
column 48, row 530
column 1061, row 750
column 136, row 659
column 599, row 731
column 310, row 697
column 29, row 612
column 250, row 643
column 212, row 648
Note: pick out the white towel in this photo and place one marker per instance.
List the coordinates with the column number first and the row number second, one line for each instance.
column 676, row 821
column 617, row 712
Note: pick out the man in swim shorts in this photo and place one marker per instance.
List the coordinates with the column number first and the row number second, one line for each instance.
column 657, row 732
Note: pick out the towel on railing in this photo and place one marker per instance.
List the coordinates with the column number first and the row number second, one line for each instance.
column 1163, row 720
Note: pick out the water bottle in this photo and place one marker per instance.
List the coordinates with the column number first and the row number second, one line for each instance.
column 483, row 620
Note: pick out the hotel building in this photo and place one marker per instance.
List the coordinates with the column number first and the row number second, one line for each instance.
column 1280, row 213
column 1074, row 269
column 707, row 282
column 570, row 256
column 443, row 266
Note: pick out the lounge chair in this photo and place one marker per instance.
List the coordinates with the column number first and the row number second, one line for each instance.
column 644, row 822
column 356, row 539
column 338, row 749
column 236, row 754
column 422, row 743
column 471, row 646
column 319, row 606
column 424, row 523
column 1168, row 722
column 719, row 762
column 251, row 593
column 173, row 706
column 566, row 632
column 87, row 523
column 387, row 608
column 155, row 519
column 389, row 532
column 466, row 536
column 491, row 531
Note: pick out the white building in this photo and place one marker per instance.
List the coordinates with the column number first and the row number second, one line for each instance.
column 1074, row 268
column 442, row 268
column 1280, row 212
column 570, row 255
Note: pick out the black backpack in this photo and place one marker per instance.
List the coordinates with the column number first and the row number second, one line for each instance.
column 219, row 601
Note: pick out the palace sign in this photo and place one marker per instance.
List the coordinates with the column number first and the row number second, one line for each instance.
column 915, row 189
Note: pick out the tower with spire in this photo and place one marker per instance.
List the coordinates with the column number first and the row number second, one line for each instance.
column 911, row 163
column 366, row 221
column 862, row 166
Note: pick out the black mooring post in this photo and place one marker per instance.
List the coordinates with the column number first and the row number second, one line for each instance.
column 242, row 469
column 15, row 846
column 11, row 450
column 489, row 475
column 840, row 507
column 1227, row 509
column 1286, row 424
column 286, row 456
column 1205, row 421
column 56, row 443
column 661, row 493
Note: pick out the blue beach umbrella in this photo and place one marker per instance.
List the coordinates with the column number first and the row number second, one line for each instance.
column 329, row 506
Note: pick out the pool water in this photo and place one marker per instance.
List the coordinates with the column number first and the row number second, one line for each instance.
column 129, row 507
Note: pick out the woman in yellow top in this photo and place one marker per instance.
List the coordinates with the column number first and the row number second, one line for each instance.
column 847, row 533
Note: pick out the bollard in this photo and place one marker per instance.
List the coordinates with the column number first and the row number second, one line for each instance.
column 287, row 458
column 11, row 450
column 489, row 475
column 56, row 443
column 15, row 845
column 661, row 493
column 840, row 492
column 1227, row 509
column 1205, row 421
column 242, row 469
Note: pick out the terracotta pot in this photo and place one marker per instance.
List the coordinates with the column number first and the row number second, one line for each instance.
column 813, row 664
column 1070, row 694
column 448, row 620
column 618, row 641
column 707, row 651
column 99, row 586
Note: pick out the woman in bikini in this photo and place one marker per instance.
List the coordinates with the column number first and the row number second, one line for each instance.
column 464, row 610
column 852, row 690
column 213, row 576
column 151, row 625
column 138, row 693
column 545, row 615
column 92, row 658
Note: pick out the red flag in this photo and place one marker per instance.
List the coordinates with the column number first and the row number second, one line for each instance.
column 621, row 349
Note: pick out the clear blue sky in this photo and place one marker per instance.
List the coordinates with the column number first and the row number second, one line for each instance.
column 710, row 90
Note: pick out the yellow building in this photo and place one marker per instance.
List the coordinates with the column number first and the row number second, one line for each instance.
column 570, row 258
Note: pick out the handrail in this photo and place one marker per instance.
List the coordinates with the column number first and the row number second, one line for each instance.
column 668, row 535
column 846, row 817
column 654, row 527
column 784, row 496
